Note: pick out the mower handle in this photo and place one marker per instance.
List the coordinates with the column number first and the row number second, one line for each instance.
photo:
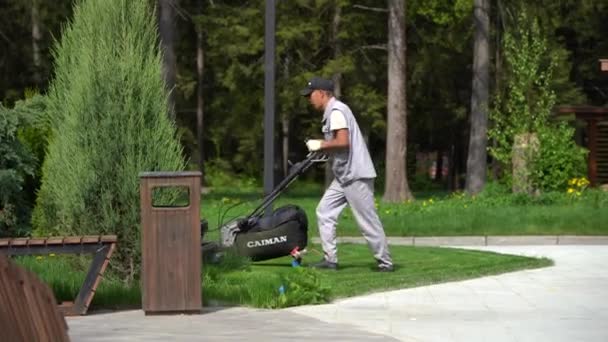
column 296, row 170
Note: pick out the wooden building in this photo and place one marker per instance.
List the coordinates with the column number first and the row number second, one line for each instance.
column 594, row 137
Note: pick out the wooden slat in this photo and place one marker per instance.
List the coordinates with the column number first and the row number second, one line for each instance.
column 102, row 269
column 4, row 242
column 90, row 239
column 72, row 240
column 55, row 240
column 108, row 238
column 36, row 241
column 28, row 310
column 66, row 308
column 16, row 301
column 19, row 242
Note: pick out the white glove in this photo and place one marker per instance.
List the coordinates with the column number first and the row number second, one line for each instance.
column 314, row 144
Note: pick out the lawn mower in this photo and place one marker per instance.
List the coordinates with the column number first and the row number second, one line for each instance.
column 261, row 237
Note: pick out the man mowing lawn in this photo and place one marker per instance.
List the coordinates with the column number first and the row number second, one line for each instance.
column 354, row 175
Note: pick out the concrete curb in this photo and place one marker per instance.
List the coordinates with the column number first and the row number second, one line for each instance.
column 484, row 240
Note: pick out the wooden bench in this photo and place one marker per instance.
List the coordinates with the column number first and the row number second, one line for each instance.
column 101, row 246
column 28, row 309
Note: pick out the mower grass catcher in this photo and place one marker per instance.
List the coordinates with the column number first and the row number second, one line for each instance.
column 259, row 237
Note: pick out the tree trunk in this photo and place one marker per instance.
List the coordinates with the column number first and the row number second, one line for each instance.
column 439, row 167
column 452, row 169
column 285, row 127
column 36, row 36
column 337, row 77
column 167, row 39
column 525, row 149
column 495, row 165
column 285, row 132
column 396, row 187
column 199, row 99
column 478, row 141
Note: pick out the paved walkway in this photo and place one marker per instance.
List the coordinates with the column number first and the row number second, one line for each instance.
column 231, row 324
column 566, row 302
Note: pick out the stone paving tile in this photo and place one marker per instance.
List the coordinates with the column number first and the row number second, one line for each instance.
column 230, row 324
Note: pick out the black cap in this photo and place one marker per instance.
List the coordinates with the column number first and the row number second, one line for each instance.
column 317, row 83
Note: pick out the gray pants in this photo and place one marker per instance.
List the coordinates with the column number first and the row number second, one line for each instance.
column 359, row 195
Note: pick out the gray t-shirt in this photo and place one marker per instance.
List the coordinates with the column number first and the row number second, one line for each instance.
column 355, row 162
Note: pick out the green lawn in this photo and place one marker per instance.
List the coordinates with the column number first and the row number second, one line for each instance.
column 414, row 266
column 236, row 281
column 239, row 282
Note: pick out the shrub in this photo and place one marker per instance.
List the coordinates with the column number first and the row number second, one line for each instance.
column 525, row 108
column 17, row 163
column 219, row 174
column 303, row 286
column 559, row 158
column 107, row 110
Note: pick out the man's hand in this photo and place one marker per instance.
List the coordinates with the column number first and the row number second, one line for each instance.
column 314, row 144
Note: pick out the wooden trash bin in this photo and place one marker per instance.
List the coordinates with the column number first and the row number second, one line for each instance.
column 171, row 242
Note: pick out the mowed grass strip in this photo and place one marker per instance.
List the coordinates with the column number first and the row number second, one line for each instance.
column 450, row 215
column 414, row 266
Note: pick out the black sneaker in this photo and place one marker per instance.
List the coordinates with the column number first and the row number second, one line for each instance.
column 324, row 264
column 386, row 268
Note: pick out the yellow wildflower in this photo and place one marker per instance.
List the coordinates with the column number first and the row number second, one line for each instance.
column 38, row 258
column 570, row 190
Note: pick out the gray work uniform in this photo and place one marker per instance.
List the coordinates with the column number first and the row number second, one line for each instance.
column 353, row 184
